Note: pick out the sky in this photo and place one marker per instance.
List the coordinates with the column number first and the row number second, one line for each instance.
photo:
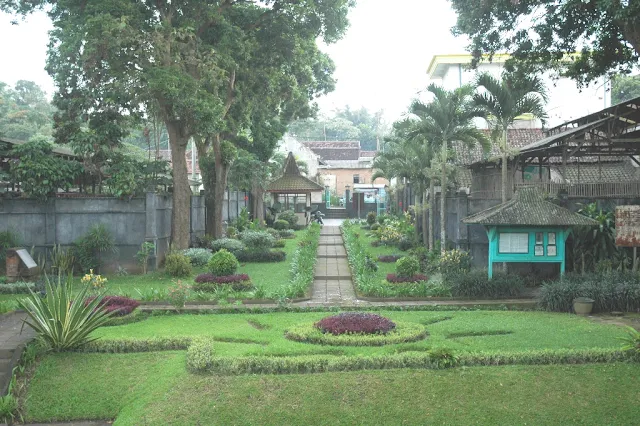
column 381, row 63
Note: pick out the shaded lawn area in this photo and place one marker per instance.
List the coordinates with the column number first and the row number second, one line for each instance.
column 383, row 267
column 270, row 276
column 154, row 388
column 503, row 331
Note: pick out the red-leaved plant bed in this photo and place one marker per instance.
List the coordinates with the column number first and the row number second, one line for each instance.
column 226, row 279
column 120, row 305
column 355, row 323
column 388, row 258
column 393, row 278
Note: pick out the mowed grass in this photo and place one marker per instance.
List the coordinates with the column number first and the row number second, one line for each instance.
column 155, row 389
column 384, row 268
column 263, row 334
column 270, row 276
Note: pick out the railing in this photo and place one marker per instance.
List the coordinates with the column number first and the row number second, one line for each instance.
column 589, row 190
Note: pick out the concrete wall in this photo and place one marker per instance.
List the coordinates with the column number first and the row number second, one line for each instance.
column 64, row 220
column 338, row 179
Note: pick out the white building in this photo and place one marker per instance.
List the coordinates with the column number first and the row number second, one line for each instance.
column 566, row 101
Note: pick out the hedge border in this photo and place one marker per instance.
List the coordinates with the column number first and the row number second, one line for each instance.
column 405, row 332
column 436, row 359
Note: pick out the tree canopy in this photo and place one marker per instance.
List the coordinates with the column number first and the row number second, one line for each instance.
column 624, row 87
column 582, row 39
column 24, row 111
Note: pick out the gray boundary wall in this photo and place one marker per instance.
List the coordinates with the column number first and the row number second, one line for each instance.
column 132, row 222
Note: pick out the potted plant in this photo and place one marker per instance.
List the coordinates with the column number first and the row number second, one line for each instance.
column 582, row 305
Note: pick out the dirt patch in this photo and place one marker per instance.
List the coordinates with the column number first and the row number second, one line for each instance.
column 627, row 319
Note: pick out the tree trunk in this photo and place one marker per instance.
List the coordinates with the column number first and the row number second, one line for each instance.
column 505, row 165
column 221, row 171
column 417, row 210
column 257, row 202
column 214, row 178
column 432, row 208
column 443, row 202
column 181, row 214
column 425, row 235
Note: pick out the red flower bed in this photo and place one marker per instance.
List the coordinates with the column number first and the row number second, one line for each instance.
column 355, row 323
column 393, row 278
column 389, row 258
column 119, row 304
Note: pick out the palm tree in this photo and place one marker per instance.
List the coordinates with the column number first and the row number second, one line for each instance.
column 505, row 100
column 447, row 118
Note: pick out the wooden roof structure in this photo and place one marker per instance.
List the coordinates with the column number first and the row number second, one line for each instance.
column 292, row 181
column 528, row 208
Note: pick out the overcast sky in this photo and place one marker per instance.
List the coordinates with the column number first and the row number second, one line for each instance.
column 381, row 62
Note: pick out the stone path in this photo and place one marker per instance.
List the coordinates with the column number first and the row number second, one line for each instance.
column 11, row 338
column 332, row 284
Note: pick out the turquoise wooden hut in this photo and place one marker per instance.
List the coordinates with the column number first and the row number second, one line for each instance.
column 528, row 228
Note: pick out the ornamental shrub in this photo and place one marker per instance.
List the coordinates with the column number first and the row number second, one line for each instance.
column 287, row 234
column 407, row 267
column 262, row 256
column 355, row 323
column 177, row 265
column 281, row 224
column 119, row 305
column 405, row 244
column 371, row 218
column 231, row 232
column 280, row 243
column 257, row 240
column 229, row 244
column 290, row 216
column 92, row 248
column 223, row 263
column 211, row 283
column 393, row 278
column 388, row 258
column 198, row 256
column 274, row 233
column 454, row 262
column 476, row 283
column 374, row 227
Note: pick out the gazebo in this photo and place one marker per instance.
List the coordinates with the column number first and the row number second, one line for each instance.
column 528, row 228
column 292, row 188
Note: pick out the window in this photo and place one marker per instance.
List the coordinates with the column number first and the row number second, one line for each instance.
column 356, row 178
column 512, row 242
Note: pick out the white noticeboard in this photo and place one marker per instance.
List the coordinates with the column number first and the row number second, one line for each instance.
column 26, row 258
column 512, row 242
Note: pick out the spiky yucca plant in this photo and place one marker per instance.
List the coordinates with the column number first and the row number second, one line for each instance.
column 62, row 321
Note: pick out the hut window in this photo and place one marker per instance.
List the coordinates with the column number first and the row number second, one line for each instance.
column 356, row 178
column 513, row 242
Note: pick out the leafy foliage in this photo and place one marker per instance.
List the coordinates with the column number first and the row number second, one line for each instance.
column 62, row 260
column 371, row 218
column 257, row 240
column 402, row 332
column 177, row 265
column 222, row 263
column 407, row 267
column 389, row 258
column 40, row 173
column 146, row 250
column 62, row 321
column 198, row 256
column 211, row 282
column 92, row 247
column 230, row 244
column 415, row 278
column 602, row 32
column 355, row 322
column 290, row 217
column 117, row 305
column 267, row 256
column 454, row 262
column 25, row 111
column 476, row 283
column 624, row 88
column 281, row 224
column 178, row 294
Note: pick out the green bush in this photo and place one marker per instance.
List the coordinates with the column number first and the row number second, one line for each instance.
column 611, row 291
column 17, row 288
column 405, row 244
column 287, row 234
column 267, row 256
column 455, row 262
column 146, row 250
column 198, row 256
column 407, row 267
column 177, row 265
column 257, row 240
column 302, row 264
column 371, row 218
column 91, row 249
column 274, row 233
column 64, row 321
column 281, row 224
column 229, row 244
column 119, row 346
column 199, row 355
column 223, row 263
column 204, row 241
column 290, row 216
column 374, row 226
column 476, row 283
column 231, row 232
column 280, row 243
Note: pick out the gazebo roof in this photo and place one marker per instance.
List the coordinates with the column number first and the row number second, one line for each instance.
column 529, row 208
column 292, row 181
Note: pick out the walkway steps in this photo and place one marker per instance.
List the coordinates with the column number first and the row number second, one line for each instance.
column 332, row 279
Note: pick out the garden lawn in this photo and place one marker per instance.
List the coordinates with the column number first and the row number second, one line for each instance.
column 462, row 331
column 155, row 389
column 384, row 268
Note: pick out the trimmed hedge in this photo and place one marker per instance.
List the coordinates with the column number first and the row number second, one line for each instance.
column 257, row 240
column 476, row 283
column 281, row 224
column 433, row 359
column 177, row 265
column 211, row 283
column 222, row 263
column 199, row 355
column 404, row 332
column 393, row 278
column 198, row 256
column 230, row 244
column 19, row 287
column 611, row 291
column 280, row 243
column 266, row 256
column 287, row 234
column 137, row 345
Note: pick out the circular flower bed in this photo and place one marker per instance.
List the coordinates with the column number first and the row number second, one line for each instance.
column 356, row 329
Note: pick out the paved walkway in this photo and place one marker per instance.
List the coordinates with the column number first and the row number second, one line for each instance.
column 332, row 284
column 12, row 335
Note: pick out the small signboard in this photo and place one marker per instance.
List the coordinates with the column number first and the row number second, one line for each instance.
column 628, row 226
column 26, row 259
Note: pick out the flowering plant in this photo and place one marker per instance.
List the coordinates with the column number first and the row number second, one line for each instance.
column 96, row 282
column 177, row 294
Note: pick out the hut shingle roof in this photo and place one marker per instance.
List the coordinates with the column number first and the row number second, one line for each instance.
column 291, row 181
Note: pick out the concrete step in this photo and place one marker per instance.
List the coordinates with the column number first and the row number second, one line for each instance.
column 331, row 256
column 333, row 277
column 321, row 243
column 6, row 353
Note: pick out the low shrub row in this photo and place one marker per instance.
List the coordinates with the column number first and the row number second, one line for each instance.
column 136, row 345
column 476, row 283
column 266, row 256
column 611, row 291
column 402, row 332
column 432, row 359
column 211, row 283
column 302, row 264
column 17, row 288
column 135, row 316
column 394, row 278
column 198, row 256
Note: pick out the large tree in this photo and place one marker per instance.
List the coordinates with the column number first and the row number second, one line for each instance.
column 504, row 100
column 24, row 111
column 605, row 34
column 624, row 87
column 113, row 58
column 446, row 119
